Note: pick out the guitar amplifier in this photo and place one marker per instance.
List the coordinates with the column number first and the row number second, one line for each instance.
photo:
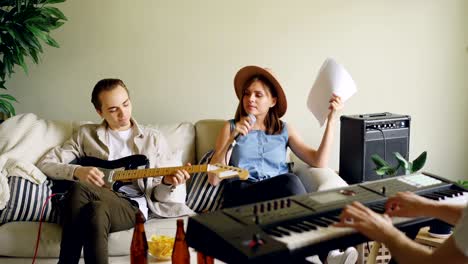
column 362, row 136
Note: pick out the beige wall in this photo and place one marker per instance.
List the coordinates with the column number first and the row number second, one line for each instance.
column 179, row 58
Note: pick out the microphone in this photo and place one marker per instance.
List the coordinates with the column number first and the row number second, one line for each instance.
column 252, row 120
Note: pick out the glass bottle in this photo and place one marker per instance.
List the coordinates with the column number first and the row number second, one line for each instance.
column 180, row 252
column 139, row 246
column 204, row 259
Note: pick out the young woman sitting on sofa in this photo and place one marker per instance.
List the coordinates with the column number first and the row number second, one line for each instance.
column 262, row 139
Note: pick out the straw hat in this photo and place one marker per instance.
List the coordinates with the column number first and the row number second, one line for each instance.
column 248, row 72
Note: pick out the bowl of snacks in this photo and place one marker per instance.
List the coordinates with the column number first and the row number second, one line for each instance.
column 160, row 247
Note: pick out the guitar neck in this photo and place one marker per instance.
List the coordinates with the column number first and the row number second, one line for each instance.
column 129, row 175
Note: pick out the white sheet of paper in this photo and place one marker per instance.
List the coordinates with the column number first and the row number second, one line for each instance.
column 332, row 79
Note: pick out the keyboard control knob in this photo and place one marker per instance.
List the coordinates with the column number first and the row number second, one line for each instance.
column 383, row 190
column 256, row 241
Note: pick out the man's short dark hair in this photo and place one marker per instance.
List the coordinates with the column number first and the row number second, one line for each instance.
column 105, row 85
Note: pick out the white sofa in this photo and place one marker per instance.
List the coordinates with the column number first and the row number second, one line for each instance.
column 26, row 137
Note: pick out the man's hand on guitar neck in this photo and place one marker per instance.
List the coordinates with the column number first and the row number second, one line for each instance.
column 179, row 177
column 90, row 175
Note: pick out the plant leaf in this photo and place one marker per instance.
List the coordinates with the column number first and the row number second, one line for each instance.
column 20, row 59
column 55, row 12
column 9, row 97
column 402, row 161
column 52, row 42
column 8, row 67
column 37, row 32
column 31, row 38
column 419, row 162
column 4, row 110
column 463, row 183
column 8, row 106
column 53, row 1
column 378, row 161
column 382, row 170
column 385, row 170
column 34, row 56
column 391, row 171
column 56, row 25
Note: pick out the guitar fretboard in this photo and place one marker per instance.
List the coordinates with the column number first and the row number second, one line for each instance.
column 129, row 175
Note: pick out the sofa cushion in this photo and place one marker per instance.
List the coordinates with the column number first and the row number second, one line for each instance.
column 207, row 131
column 26, row 201
column 181, row 139
column 202, row 196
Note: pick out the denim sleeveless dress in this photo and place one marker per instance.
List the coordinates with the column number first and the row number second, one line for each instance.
column 264, row 156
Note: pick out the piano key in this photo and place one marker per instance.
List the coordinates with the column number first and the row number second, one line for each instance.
column 282, row 231
column 461, row 199
column 430, row 196
column 449, row 192
column 441, row 196
column 317, row 222
column 305, row 227
column 378, row 210
column 311, row 226
column 335, row 218
column 327, row 221
column 445, row 193
column 452, row 193
column 293, row 228
column 298, row 240
column 273, row 232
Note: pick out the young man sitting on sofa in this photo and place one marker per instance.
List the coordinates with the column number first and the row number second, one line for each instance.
column 91, row 210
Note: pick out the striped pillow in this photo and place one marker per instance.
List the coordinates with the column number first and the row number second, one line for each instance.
column 26, row 200
column 202, row 196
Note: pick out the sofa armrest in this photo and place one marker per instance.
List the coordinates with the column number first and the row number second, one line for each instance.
column 318, row 179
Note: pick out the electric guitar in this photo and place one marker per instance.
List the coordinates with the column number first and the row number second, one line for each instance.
column 121, row 171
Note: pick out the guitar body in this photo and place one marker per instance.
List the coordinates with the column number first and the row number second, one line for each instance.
column 133, row 162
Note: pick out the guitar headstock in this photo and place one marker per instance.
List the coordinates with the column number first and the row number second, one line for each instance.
column 226, row 172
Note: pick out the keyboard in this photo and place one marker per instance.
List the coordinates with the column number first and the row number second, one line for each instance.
column 289, row 229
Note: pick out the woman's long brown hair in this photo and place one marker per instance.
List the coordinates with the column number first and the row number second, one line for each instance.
column 272, row 123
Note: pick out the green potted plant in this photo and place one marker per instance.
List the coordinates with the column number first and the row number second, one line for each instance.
column 24, row 24
column 384, row 168
column 463, row 183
